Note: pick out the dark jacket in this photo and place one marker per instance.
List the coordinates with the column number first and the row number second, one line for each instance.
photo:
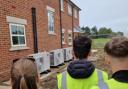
column 80, row 69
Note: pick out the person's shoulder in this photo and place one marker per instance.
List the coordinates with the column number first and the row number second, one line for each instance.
column 59, row 74
column 104, row 74
column 101, row 71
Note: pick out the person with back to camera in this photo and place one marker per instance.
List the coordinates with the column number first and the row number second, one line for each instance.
column 117, row 57
column 81, row 74
column 24, row 74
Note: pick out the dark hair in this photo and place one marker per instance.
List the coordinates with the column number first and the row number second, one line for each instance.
column 82, row 46
column 24, row 74
column 117, row 47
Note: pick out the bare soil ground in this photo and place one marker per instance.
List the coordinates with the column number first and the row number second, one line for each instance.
column 100, row 62
column 50, row 83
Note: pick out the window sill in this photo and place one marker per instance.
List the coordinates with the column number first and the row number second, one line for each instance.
column 18, row 48
column 52, row 34
column 76, row 18
column 70, row 44
column 69, row 14
column 63, row 43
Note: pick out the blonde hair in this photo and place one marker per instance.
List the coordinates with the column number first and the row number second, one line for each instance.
column 24, row 74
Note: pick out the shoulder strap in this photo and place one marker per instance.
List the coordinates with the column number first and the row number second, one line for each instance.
column 56, row 83
column 64, row 80
column 101, row 83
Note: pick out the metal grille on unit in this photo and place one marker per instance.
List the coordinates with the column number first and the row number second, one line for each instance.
column 42, row 61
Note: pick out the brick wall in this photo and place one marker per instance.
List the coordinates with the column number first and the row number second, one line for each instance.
column 22, row 9
column 76, row 24
column 67, row 22
column 52, row 41
column 16, row 8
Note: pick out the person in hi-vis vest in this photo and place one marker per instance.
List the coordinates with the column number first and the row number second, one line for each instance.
column 117, row 57
column 81, row 74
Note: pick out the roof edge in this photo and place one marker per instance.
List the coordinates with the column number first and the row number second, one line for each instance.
column 75, row 5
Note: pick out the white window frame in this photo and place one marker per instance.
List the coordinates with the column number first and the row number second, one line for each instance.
column 70, row 9
column 62, row 5
column 11, row 35
column 76, row 13
column 49, row 31
column 70, row 38
column 63, row 36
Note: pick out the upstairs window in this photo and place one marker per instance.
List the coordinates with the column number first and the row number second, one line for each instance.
column 69, row 9
column 17, row 33
column 75, row 13
column 50, row 22
column 62, row 5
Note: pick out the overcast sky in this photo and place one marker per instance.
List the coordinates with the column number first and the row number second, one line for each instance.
column 109, row 13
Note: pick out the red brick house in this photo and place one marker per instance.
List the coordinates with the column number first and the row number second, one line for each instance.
column 31, row 26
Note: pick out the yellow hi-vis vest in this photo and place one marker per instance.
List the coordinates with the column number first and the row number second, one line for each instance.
column 65, row 81
column 111, row 84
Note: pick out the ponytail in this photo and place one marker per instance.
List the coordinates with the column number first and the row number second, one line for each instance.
column 23, row 84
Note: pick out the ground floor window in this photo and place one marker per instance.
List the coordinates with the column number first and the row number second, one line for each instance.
column 50, row 22
column 17, row 33
column 63, row 36
column 70, row 37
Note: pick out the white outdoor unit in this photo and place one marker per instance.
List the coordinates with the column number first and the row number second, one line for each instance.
column 42, row 61
column 69, row 53
column 53, row 60
column 60, row 56
column 65, row 54
column 56, row 57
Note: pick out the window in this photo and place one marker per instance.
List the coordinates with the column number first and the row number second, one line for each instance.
column 75, row 13
column 70, row 37
column 62, row 5
column 69, row 9
column 50, row 22
column 63, row 36
column 18, row 37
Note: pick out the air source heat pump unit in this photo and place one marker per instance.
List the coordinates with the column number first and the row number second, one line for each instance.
column 65, row 54
column 60, row 56
column 56, row 57
column 69, row 53
column 42, row 61
column 53, row 60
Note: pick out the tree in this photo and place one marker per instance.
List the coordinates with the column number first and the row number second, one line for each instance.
column 86, row 30
column 114, row 33
column 94, row 31
column 120, row 33
column 102, row 30
column 105, row 30
column 109, row 31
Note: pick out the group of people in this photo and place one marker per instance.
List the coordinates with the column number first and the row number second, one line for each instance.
column 81, row 73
